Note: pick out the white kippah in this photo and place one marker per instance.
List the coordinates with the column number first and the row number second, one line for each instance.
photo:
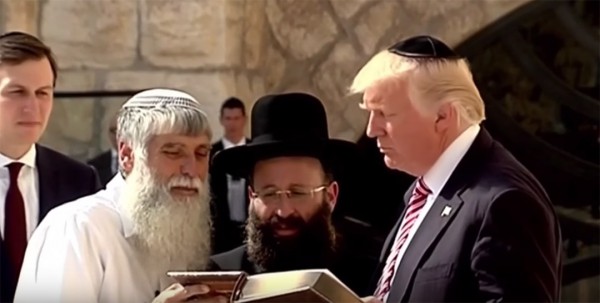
column 162, row 98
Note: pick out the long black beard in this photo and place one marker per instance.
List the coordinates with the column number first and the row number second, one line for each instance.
column 313, row 246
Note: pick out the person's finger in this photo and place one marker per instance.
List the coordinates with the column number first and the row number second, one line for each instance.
column 174, row 293
column 370, row 299
column 217, row 299
column 196, row 290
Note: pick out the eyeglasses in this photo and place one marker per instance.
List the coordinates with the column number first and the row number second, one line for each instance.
column 296, row 195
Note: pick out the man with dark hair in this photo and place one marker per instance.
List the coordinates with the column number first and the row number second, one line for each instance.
column 230, row 198
column 33, row 179
column 292, row 167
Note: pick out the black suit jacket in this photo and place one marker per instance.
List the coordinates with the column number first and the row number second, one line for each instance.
column 103, row 165
column 352, row 270
column 227, row 234
column 500, row 242
column 61, row 179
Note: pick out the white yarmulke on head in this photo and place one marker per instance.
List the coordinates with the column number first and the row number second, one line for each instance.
column 160, row 111
column 162, row 98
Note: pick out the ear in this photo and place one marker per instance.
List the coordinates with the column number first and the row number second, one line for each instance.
column 332, row 194
column 126, row 157
column 250, row 193
column 447, row 117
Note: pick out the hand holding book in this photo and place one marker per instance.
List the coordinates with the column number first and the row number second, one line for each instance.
column 291, row 286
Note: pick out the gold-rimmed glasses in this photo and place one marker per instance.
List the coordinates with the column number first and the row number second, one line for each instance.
column 297, row 195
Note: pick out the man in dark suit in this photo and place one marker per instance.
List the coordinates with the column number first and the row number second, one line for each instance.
column 230, row 197
column 477, row 224
column 33, row 179
column 292, row 167
column 106, row 163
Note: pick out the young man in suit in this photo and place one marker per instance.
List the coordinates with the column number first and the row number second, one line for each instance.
column 230, row 198
column 107, row 163
column 33, row 179
column 292, row 168
column 477, row 226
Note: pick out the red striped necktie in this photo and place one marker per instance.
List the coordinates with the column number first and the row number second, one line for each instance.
column 416, row 203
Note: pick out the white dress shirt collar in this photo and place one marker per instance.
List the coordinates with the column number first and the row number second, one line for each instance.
column 27, row 159
column 227, row 144
column 440, row 172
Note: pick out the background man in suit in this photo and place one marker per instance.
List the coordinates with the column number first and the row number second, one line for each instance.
column 477, row 226
column 230, row 198
column 292, row 167
column 107, row 163
column 33, row 178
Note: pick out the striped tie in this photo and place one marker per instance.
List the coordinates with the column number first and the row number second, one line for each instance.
column 417, row 201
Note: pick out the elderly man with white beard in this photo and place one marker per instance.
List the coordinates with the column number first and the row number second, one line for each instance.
column 118, row 244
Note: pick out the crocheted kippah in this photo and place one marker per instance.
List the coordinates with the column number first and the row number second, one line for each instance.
column 162, row 98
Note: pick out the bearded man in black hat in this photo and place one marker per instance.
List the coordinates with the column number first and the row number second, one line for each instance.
column 477, row 225
column 291, row 165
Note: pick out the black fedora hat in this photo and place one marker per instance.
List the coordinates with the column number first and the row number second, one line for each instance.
column 290, row 124
column 423, row 47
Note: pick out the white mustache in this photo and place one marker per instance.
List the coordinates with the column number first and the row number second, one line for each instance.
column 187, row 182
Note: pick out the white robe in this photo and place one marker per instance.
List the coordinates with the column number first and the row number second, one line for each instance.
column 80, row 253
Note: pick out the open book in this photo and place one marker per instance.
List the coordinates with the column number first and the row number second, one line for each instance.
column 307, row 286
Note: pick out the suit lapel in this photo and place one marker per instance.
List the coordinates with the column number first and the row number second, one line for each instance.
column 443, row 211
column 49, row 185
column 431, row 229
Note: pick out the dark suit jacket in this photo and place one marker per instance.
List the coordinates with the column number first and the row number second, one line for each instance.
column 227, row 234
column 352, row 270
column 61, row 179
column 500, row 242
column 103, row 165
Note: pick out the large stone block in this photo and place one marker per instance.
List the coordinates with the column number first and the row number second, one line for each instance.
column 247, row 87
column 457, row 27
column 274, row 68
column 100, row 34
column 302, row 28
column 191, row 33
column 72, row 125
column 424, row 10
column 335, row 75
column 332, row 79
column 369, row 29
column 255, row 34
column 346, row 9
column 21, row 15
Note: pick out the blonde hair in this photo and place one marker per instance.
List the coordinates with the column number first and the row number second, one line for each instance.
column 431, row 83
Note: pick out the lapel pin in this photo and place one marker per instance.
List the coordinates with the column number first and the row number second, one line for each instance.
column 446, row 211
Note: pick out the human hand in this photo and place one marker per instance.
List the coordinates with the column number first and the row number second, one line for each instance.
column 191, row 293
column 371, row 299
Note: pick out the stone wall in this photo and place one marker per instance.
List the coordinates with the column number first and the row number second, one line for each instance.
column 217, row 48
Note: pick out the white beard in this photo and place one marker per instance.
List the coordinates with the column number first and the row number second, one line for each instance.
column 172, row 233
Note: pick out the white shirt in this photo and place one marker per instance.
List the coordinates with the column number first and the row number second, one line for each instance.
column 80, row 253
column 114, row 161
column 228, row 144
column 436, row 178
column 28, row 182
column 236, row 190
